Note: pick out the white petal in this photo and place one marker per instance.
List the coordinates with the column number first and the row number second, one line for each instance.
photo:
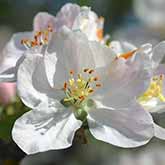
column 8, row 75
column 42, row 20
column 13, row 50
column 73, row 53
column 158, row 53
column 155, row 105
column 144, row 56
column 32, row 83
column 129, row 127
column 123, row 84
column 158, row 71
column 122, row 47
column 50, row 66
column 86, row 21
column 38, row 131
column 103, row 55
column 66, row 16
column 159, row 132
column 11, row 53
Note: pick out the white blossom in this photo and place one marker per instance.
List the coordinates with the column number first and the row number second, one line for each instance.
column 70, row 15
column 152, row 99
column 64, row 91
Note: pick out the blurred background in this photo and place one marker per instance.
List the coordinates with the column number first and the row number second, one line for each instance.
column 137, row 21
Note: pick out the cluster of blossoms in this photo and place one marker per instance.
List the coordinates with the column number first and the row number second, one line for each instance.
column 67, row 74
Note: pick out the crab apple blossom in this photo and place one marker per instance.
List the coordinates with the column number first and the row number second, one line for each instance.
column 67, row 86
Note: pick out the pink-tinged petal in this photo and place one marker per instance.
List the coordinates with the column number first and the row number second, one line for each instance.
column 7, row 92
column 66, row 16
column 160, row 70
column 42, row 20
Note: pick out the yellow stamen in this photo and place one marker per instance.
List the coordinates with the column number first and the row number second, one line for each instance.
column 40, row 38
column 155, row 90
column 78, row 89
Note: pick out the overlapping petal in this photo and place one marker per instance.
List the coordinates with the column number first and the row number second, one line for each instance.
column 32, row 83
column 12, row 52
column 74, row 52
column 42, row 20
column 39, row 131
column 87, row 22
column 159, row 132
column 66, row 16
column 129, row 127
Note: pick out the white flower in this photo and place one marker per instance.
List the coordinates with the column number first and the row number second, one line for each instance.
column 62, row 89
column 70, row 15
column 153, row 97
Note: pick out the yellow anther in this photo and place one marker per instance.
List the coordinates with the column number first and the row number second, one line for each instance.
column 71, row 82
column 78, row 89
column 155, row 90
column 91, row 91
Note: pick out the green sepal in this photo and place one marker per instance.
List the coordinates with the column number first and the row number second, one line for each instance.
column 65, row 103
column 80, row 114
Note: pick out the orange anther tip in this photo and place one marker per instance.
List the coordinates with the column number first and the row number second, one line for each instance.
column 65, row 86
column 81, row 97
column 85, row 70
column 96, row 79
column 71, row 72
column 128, row 54
column 161, row 76
column 98, row 85
column 91, row 71
column 39, row 33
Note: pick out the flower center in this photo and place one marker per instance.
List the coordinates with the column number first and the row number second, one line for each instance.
column 79, row 88
column 40, row 38
column 155, row 90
